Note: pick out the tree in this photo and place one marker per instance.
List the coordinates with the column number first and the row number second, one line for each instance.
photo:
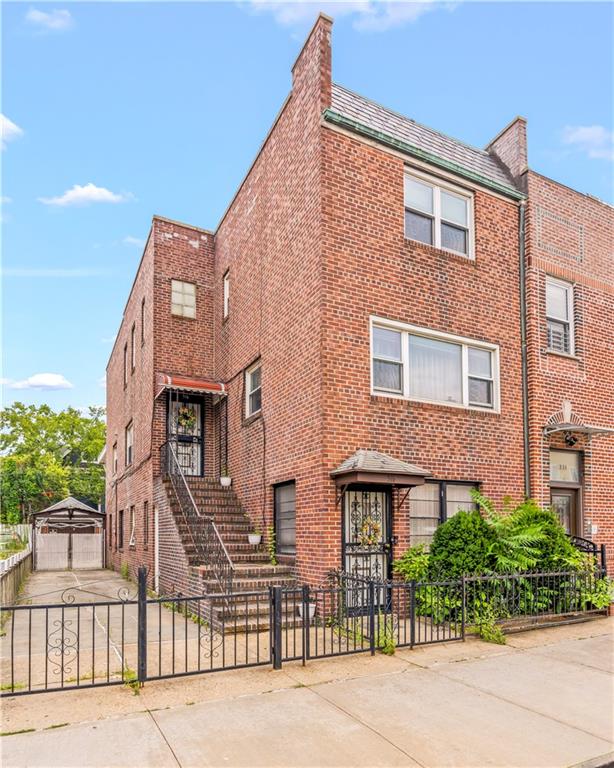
column 47, row 455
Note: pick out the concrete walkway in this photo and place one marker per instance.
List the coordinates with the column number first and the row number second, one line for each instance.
column 546, row 699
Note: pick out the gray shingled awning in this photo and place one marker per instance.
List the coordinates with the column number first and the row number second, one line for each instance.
column 69, row 505
column 477, row 163
column 374, row 467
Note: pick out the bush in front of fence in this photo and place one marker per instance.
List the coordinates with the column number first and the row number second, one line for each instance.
column 515, row 563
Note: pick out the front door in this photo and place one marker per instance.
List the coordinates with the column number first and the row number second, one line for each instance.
column 564, row 504
column 366, row 533
column 186, row 434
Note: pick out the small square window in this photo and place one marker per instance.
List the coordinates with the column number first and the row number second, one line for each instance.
column 183, row 298
column 253, row 390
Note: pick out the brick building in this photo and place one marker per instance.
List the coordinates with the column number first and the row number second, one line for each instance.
column 348, row 347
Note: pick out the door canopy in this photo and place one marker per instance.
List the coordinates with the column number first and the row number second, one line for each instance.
column 374, row 468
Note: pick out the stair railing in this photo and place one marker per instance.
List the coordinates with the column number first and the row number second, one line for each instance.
column 210, row 546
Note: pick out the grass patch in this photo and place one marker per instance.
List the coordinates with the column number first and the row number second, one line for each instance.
column 55, row 725
column 14, row 733
column 131, row 680
column 9, row 687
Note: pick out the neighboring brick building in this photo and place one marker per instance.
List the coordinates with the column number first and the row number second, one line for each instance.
column 348, row 345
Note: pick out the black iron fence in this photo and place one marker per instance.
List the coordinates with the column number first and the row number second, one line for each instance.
column 135, row 638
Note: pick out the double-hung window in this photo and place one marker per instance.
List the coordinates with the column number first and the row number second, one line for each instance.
column 559, row 316
column 129, row 443
column 132, row 348
column 183, row 298
column 438, row 214
column 114, row 458
column 125, row 365
column 226, row 294
column 253, row 389
column 421, row 364
column 132, row 541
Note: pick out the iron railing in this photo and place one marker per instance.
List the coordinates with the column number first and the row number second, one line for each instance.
column 203, row 530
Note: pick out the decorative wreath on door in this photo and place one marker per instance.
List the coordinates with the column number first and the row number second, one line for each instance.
column 370, row 532
column 186, row 418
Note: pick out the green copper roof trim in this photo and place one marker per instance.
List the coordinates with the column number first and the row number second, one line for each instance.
column 346, row 122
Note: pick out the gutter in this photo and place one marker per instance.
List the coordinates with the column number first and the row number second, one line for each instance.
column 336, row 118
column 523, row 349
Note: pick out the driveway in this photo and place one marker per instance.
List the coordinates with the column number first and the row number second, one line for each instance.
column 545, row 699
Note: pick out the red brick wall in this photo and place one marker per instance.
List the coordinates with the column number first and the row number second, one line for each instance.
column 270, row 241
column 570, row 236
column 371, row 269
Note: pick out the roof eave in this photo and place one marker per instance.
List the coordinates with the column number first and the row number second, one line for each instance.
column 336, row 118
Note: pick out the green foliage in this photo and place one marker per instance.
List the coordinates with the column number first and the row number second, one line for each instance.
column 16, row 544
column 124, row 571
column 413, row 565
column 461, row 546
column 271, row 545
column 384, row 641
column 47, row 455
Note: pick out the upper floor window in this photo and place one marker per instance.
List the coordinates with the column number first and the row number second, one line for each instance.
column 133, row 348
column 253, row 389
column 114, row 458
column 143, row 321
column 183, row 298
column 132, row 541
column 420, row 364
column 125, row 365
column 226, row 294
column 559, row 315
column 438, row 214
column 129, row 443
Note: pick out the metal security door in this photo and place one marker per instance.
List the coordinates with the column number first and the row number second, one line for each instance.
column 186, row 432
column 366, row 534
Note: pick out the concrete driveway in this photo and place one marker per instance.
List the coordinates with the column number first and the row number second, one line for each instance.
column 546, row 699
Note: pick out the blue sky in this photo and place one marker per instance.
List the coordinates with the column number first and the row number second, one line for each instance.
column 116, row 111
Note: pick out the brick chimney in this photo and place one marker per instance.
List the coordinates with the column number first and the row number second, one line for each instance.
column 510, row 147
column 312, row 69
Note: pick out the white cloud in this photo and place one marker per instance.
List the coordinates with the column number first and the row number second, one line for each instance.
column 46, row 381
column 51, row 272
column 8, row 130
column 108, row 339
column 84, row 195
column 55, row 21
column 594, row 140
column 129, row 240
column 102, row 381
column 5, row 200
column 369, row 15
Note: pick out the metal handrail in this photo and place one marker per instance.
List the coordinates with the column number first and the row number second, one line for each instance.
column 211, row 547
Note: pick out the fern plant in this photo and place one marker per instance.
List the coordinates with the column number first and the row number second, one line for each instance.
column 271, row 545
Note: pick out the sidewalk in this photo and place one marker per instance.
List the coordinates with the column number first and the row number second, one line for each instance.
column 545, row 699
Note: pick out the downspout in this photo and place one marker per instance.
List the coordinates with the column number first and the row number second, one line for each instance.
column 523, row 349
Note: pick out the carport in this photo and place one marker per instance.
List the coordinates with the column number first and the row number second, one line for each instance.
column 68, row 535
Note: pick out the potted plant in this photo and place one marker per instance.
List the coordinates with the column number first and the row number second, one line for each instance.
column 255, row 537
column 311, row 609
column 225, row 479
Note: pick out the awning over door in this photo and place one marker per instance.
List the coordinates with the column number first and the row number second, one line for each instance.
column 166, row 381
column 378, row 468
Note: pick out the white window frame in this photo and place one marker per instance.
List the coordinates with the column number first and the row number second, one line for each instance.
column 569, row 290
column 177, row 286
column 132, row 540
column 249, row 391
column 226, row 294
column 413, row 330
column 129, row 447
column 133, row 348
column 437, row 186
column 114, row 455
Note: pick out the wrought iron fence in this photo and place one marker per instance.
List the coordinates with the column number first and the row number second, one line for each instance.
column 134, row 638
column 202, row 529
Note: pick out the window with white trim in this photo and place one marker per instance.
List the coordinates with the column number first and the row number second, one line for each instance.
column 132, row 348
column 183, row 298
column 253, row 389
column 114, row 458
column 129, row 443
column 132, row 542
column 226, row 294
column 559, row 316
column 438, row 214
column 420, row 364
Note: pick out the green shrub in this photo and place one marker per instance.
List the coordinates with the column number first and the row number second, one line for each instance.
column 413, row 565
column 124, row 571
column 461, row 546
